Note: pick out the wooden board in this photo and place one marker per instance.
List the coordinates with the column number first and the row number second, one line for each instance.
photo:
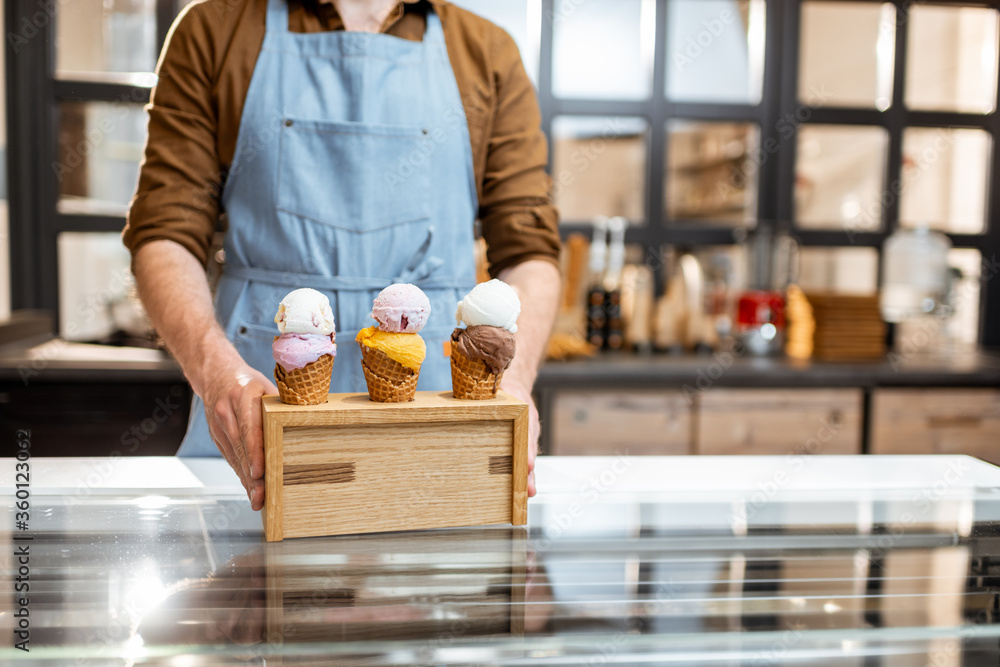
column 355, row 466
column 779, row 421
column 937, row 421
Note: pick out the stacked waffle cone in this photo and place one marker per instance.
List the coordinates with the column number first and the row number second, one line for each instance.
column 471, row 379
column 484, row 349
column 308, row 385
column 393, row 351
column 388, row 381
column 305, row 350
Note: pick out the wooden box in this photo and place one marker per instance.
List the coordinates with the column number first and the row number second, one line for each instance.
column 355, row 466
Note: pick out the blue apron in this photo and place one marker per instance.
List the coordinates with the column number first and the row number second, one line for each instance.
column 353, row 170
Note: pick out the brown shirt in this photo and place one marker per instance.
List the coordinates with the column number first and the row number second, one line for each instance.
column 204, row 73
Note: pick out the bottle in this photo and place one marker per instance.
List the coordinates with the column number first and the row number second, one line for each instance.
column 614, row 338
column 596, row 315
column 914, row 274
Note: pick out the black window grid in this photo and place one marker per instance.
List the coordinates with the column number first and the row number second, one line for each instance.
column 34, row 96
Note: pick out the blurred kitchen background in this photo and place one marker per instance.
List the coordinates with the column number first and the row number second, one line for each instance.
column 780, row 217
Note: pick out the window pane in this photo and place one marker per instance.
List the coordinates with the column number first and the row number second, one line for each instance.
column 840, row 176
column 95, row 286
column 952, row 59
column 100, row 146
column 521, row 18
column 847, row 53
column 599, row 167
column 105, row 36
column 4, row 248
column 712, row 171
column 945, row 174
column 715, row 50
column 603, row 49
column 840, row 270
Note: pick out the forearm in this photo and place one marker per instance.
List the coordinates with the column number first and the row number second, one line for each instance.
column 538, row 285
column 171, row 283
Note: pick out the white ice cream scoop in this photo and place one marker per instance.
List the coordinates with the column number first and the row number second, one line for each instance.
column 305, row 311
column 492, row 303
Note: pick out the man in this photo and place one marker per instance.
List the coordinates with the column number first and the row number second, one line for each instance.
column 350, row 144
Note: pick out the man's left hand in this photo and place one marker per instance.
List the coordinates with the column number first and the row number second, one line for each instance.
column 534, row 429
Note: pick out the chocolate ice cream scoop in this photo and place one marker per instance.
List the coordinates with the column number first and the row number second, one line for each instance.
column 494, row 345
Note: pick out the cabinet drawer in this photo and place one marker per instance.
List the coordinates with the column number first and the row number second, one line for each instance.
column 599, row 423
column 782, row 421
column 937, row 421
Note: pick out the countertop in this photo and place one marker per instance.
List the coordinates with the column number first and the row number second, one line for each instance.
column 57, row 360
column 679, row 560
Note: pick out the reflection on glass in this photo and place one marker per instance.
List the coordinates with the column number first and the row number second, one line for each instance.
column 952, row 58
column 839, row 177
column 95, row 285
column 100, row 146
column 4, row 250
column 945, row 174
column 105, row 36
column 522, row 19
column 840, row 270
column 599, row 167
column 715, row 50
column 846, row 54
column 712, row 171
column 603, row 49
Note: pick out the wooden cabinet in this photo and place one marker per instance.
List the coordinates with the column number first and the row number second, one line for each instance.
column 601, row 422
column 779, row 421
column 936, row 421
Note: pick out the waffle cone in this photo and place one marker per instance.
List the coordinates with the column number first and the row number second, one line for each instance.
column 471, row 378
column 388, row 381
column 308, row 385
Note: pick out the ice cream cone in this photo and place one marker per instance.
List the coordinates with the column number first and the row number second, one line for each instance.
column 309, row 385
column 471, row 378
column 388, row 381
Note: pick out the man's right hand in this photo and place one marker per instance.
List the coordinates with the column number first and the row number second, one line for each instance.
column 232, row 409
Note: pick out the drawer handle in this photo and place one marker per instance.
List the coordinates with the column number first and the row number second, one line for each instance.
column 958, row 421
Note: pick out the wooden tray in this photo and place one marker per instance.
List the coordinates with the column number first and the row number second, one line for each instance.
column 355, row 466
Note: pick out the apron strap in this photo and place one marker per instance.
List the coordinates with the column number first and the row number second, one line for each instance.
column 277, row 16
column 331, row 283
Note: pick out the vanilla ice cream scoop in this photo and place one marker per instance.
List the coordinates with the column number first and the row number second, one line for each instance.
column 492, row 303
column 305, row 311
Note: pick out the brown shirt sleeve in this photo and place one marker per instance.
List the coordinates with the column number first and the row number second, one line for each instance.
column 177, row 195
column 518, row 219
column 205, row 71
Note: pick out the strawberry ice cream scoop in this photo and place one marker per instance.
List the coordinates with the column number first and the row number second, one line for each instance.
column 294, row 350
column 401, row 308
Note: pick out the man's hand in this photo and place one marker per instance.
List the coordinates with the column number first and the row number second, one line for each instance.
column 232, row 409
column 534, row 428
column 171, row 281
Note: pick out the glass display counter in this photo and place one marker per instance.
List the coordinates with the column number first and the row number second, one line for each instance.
column 625, row 560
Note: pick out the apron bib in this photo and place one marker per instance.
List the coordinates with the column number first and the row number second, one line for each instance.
column 352, row 171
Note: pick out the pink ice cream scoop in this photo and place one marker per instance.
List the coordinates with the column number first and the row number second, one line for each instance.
column 401, row 308
column 295, row 350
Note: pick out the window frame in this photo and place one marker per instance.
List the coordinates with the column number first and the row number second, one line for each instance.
column 34, row 96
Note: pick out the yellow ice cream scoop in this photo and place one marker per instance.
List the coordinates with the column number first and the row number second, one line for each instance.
column 407, row 349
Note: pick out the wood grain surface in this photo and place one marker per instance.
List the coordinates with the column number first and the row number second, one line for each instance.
column 355, row 466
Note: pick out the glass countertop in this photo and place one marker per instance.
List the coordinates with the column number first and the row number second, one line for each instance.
column 624, row 561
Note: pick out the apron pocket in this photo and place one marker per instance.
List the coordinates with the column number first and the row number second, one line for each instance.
column 355, row 176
